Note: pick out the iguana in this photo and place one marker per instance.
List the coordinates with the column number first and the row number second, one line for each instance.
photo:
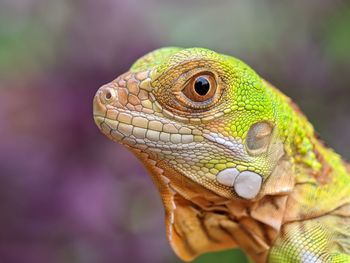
column 236, row 162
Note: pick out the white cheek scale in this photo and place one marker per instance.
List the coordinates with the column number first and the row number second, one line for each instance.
column 246, row 184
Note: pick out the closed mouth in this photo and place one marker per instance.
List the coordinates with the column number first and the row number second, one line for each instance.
column 143, row 129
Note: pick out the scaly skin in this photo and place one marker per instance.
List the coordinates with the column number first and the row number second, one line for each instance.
column 243, row 168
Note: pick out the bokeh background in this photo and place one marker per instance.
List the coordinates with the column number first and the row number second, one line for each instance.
column 67, row 194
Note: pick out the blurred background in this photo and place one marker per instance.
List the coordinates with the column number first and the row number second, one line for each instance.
column 68, row 194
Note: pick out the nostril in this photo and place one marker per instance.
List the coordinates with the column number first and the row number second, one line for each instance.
column 107, row 95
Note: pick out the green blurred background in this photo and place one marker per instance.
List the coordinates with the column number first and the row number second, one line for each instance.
column 67, row 194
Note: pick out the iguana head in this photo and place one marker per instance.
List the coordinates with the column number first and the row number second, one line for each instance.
column 206, row 115
column 206, row 126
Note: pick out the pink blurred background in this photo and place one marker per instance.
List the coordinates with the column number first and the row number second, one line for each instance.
column 67, row 194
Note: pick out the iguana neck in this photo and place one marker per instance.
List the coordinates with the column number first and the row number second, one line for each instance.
column 321, row 176
column 296, row 132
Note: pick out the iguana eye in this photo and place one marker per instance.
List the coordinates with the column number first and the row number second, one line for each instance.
column 200, row 88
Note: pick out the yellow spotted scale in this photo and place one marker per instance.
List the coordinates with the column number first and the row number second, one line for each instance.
column 235, row 161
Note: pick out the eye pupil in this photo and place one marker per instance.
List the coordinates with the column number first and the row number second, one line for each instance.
column 201, row 86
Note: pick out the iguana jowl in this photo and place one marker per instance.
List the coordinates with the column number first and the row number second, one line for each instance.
column 235, row 161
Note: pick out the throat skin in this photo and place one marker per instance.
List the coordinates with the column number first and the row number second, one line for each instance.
column 199, row 221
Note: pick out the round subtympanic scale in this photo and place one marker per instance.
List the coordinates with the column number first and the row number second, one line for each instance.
column 227, row 177
column 248, row 184
column 258, row 137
